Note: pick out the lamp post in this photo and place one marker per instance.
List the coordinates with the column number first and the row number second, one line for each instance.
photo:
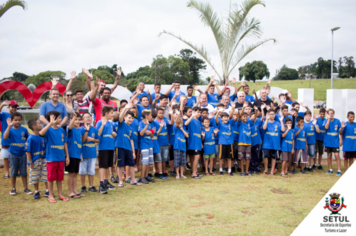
column 332, row 53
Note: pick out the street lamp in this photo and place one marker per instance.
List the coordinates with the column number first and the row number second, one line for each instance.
column 332, row 53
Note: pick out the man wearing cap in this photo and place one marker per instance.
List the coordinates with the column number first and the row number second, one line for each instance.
column 5, row 154
column 53, row 105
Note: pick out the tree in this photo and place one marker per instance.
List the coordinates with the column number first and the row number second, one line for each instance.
column 254, row 71
column 45, row 77
column 286, row 73
column 349, row 66
column 230, row 34
column 11, row 3
column 195, row 64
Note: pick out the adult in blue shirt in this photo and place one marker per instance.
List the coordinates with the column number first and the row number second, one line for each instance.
column 246, row 90
column 53, row 105
column 213, row 98
column 157, row 94
column 170, row 93
column 141, row 88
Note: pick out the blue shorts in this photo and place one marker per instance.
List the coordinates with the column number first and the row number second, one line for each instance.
column 124, row 157
column 18, row 163
column 311, row 150
column 87, row 166
column 164, row 153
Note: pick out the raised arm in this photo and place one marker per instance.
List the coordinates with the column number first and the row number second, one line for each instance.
column 45, row 129
column 170, row 89
column 7, row 131
column 160, row 127
column 316, row 127
column 217, row 117
column 6, row 103
column 103, row 123
column 71, row 123
column 217, row 88
column 282, row 125
column 265, row 124
column 189, row 120
column 196, row 88
column 235, row 86
column 142, row 132
column 327, row 121
column 93, row 92
column 343, row 125
column 267, row 84
column 73, row 75
column 123, row 112
column 185, row 133
column 117, row 79
column 286, row 132
column 232, row 111
column 211, row 81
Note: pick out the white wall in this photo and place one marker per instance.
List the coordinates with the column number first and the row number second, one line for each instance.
column 349, row 102
column 306, row 96
column 334, row 100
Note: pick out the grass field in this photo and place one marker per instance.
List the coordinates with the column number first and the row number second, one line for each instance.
column 320, row 86
column 214, row 205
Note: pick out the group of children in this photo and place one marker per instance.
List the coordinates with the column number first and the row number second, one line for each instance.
column 241, row 140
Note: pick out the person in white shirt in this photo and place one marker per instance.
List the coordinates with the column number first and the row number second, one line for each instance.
column 202, row 102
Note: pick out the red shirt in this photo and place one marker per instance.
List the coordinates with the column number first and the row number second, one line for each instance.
column 98, row 104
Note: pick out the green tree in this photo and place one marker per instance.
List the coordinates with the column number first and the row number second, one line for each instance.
column 256, row 70
column 286, row 73
column 195, row 64
column 11, row 3
column 230, row 34
column 45, row 77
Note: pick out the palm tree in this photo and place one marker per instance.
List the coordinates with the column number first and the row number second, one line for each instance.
column 11, row 3
column 230, row 34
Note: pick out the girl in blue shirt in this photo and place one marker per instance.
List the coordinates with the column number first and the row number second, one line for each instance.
column 180, row 135
column 348, row 139
column 208, row 138
column 287, row 146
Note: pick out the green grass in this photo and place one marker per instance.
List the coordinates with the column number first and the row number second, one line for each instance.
column 214, row 205
column 320, row 86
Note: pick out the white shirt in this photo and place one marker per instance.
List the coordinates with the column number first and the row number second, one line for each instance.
column 210, row 108
column 228, row 110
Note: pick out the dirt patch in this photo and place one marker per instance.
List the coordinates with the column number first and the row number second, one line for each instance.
column 245, row 212
column 279, row 191
column 209, row 216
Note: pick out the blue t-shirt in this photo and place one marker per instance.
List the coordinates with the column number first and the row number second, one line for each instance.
column 145, row 141
column 153, row 96
column 140, row 96
column 134, row 136
column 300, row 139
column 56, row 138
column 331, row 138
column 172, row 93
column 17, row 139
column 194, row 139
column 245, row 132
column 209, row 142
column 287, row 141
column 48, row 106
column 319, row 123
column 179, row 139
column 349, row 137
column 107, row 141
column 140, row 109
column 125, row 133
column 3, row 118
column 89, row 148
column 171, row 134
column 250, row 98
column 213, row 99
column 163, row 135
column 290, row 102
column 225, row 132
column 75, row 143
column 310, row 129
column 232, row 98
column 235, row 130
column 215, row 126
column 156, row 148
column 255, row 133
column 191, row 101
column 36, row 146
column 272, row 137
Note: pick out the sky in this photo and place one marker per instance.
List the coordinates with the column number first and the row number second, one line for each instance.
column 69, row 35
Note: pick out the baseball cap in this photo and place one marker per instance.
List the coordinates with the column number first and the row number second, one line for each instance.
column 285, row 91
column 227, row 88
column 13, row 103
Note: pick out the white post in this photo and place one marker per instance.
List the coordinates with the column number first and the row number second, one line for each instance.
column 334, row 100
column 348, row 102
column 306, row 96
column 332, row 54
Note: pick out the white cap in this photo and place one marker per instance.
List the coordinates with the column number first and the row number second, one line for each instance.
column 285, row 91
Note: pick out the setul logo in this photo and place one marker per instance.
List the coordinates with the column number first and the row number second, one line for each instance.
column 335, row 206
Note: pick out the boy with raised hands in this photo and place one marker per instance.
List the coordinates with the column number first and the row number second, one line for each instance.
column 125, row 147
column 194, row 140
column 272, row 140
column 87, row 166
column 348, row 139
column 17, row 135
column 332, row 140
column 57, row 155
column 163, row 140
column 75, row 144
column 225, row 138
column 213, row 98
column 287, row 146
column 36, row 156
column 106, row 147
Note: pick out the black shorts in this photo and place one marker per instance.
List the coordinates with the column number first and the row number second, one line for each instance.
column 319, row 147
column 332, row 149
column 171, row 153
column 270, row 153
column 106, row 158
column 193, row 152
column 348, row 155
column 226, row 151
column 124, row 157
column 73, row 166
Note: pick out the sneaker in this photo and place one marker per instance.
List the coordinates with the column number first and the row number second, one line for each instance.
column 221, row 173
column 314, row 167
column 320, row 168
column 156, row 175
column 165, row 174
column 13, row 192
column 225, row 170
column 303, row 172
column 188, row 167
column 37, row 195
column 117, row 179
column 238, row 169
column 294, row 172
column 231, row 174
column 92, row 189
column 27, row 191
column 143, row 181
column 47, row 194
column 162, row 177
column 112, row 179
column 214, row 169
column 149, row 179
column 203, row 169
column 110, row 187
column 311, row 169
column 173, row 174
column 338, row 173
column 83, row 189
column 329, row 172
column 233, row 169
column 128, row 180
column 150, row 175
column 103, row 190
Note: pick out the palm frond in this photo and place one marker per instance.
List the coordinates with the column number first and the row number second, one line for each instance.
column 11, row 3
column 201, row 51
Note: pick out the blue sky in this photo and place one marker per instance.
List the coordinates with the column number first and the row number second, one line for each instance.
column 69, row 35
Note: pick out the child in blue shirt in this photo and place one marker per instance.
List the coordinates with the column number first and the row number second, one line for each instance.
column 310, row 129
column 300, row 146
column 17, row 136
column 36, row 156
column 156, row 147
column 208, row 138
column 348, row 139
column 87, row 166
column 134, row 127
column 256, row 141
column 331, row 140
column 180, row 135
column 163, row 139
column 319, row 137
column 106, row 147
column 57, row 155
column 191, row 100
column 287, row 146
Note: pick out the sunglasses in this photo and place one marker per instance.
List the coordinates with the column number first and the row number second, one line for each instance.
column 69, row 95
